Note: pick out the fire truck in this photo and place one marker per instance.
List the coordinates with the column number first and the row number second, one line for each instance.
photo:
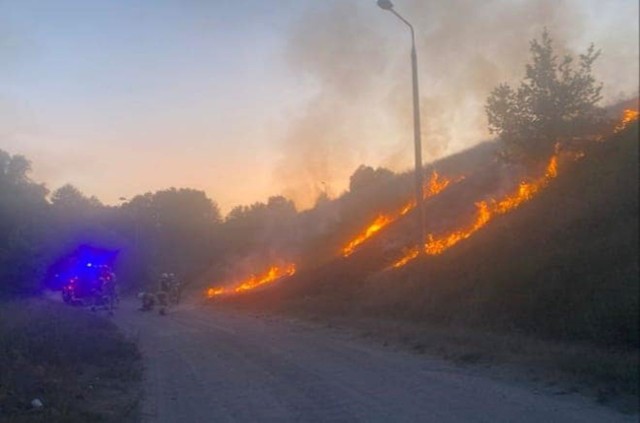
column 85, row 277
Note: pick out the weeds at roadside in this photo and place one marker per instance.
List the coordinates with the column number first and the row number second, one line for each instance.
column 76, row 364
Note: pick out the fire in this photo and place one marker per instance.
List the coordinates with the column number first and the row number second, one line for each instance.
column 628, row 117
column 431, row 188
column 435, row 185
column 212, row 292
column 485, row 212
column 272, row 274
column 408, row 256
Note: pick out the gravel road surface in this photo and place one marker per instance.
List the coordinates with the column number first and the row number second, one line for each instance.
column 206, row 364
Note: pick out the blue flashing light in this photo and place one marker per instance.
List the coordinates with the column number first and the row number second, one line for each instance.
column 82, row 263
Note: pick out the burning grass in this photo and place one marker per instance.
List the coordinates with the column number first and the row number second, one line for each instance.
column 431, row 188
column 274, row 273
column 488, row 210
column 628, row 117
column 485, row 212
column 552, row 287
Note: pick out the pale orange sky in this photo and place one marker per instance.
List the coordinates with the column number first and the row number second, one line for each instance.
column 250, row 99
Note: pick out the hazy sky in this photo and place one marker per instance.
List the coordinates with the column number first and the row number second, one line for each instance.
column 247, row 99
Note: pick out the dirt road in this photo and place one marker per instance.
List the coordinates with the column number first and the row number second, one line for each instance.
column 209, row 365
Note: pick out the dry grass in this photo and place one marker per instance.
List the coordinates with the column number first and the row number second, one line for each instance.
column 76, row 363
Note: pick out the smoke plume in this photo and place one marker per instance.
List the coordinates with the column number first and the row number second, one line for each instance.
column 356, row 59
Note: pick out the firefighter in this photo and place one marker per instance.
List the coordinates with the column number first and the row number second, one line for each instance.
column 108, row 283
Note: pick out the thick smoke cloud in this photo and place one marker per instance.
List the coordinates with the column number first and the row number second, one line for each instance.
column 356, row 58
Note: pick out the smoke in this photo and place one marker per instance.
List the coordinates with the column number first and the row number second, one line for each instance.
column 333, row 49
column 466, row 49
column 356, row 58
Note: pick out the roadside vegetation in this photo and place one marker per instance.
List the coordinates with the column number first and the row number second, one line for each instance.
column 61, row 364
column 551, row 287
column 550, row 291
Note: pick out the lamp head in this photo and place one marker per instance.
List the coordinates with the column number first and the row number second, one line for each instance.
column 385, row 4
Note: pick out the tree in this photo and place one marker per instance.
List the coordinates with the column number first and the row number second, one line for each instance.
column 366, row 177
column 69, row 198
column 173, row 230
column 556, row 101
column 23, row 211
column 260, row 227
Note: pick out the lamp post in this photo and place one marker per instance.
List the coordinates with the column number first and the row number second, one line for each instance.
column 388, row 6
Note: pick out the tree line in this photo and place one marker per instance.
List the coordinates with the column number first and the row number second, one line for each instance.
column 172, row 230
column 182, row 230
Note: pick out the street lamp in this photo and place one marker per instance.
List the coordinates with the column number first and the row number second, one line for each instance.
column 388, row 6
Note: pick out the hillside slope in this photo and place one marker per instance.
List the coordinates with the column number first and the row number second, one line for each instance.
column 562, row 266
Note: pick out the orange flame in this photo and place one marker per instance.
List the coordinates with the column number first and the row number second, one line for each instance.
column 408, row 256
column 485, row 211
column 254, row 281
column 212, row 292
column 628, row 117
column 431, row 188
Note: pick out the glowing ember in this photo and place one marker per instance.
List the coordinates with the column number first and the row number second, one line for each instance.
column 485, row 211
column 431, row 188
column 408, row 256
column 628, row 117
column 272, row 274
column 212, row 292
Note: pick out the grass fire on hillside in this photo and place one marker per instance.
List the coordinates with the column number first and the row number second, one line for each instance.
column 435, row 244
column 433, row 187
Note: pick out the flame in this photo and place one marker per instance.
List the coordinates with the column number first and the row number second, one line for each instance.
column 409, row 255
column 485, row 212
column 628, row 117
column 212, row 292
column 435, row 185
column 272, row 274
column 431, row 188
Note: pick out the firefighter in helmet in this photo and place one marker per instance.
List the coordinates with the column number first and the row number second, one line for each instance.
column 107, row 287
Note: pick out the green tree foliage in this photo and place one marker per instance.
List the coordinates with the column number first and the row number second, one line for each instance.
column 556, row 101
column 23, row 210
column 371, row 191
column 367, row 177
column 174, row 230
column 68, row 198
column 260, row 227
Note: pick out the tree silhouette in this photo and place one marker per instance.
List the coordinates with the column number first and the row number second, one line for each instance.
column 556, row 101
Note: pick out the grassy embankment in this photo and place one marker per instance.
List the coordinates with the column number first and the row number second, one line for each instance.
column 75, row 363
column 552, row 286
